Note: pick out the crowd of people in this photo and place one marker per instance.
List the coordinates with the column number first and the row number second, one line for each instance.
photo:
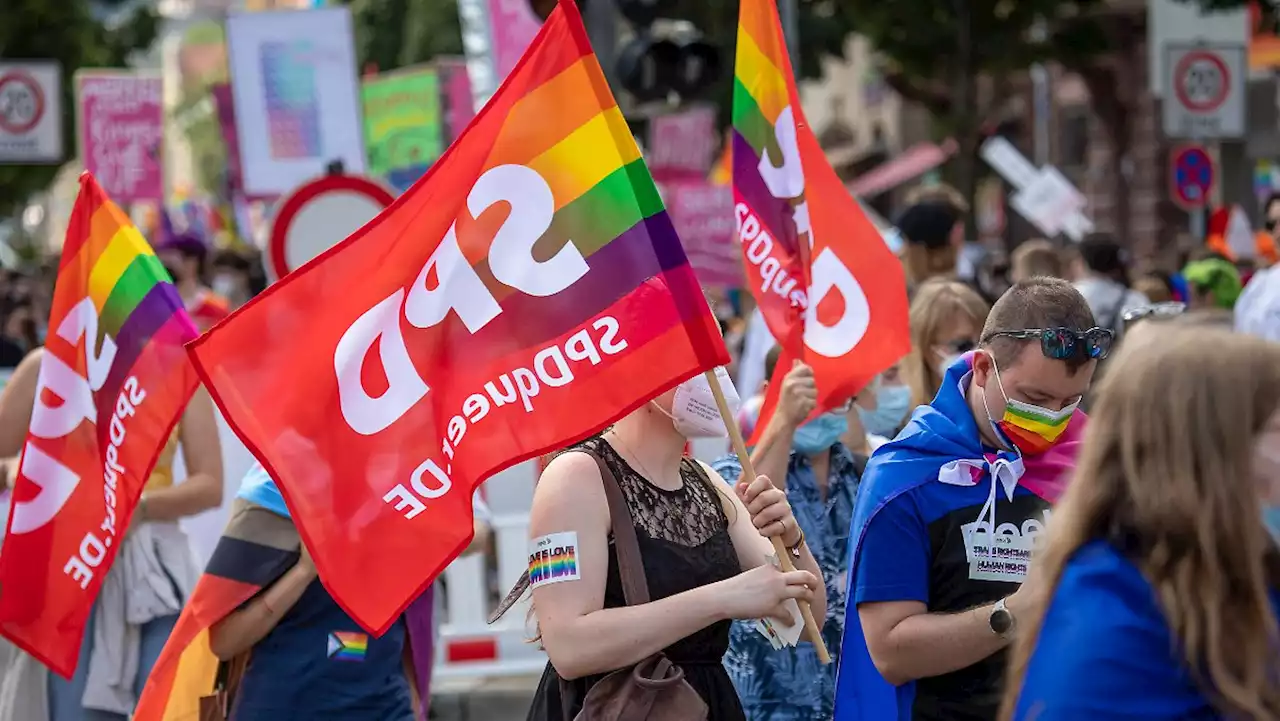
column 971, row 543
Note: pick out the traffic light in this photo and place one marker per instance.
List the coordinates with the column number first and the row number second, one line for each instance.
column 664, row 57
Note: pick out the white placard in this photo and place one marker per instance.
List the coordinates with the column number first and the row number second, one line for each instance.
column 1048, row 201
column 297, row 96
column 1206, row 91
column 1022, row 174
column 30, row 112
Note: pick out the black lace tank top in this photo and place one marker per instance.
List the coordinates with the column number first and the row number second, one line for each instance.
column 684, row 543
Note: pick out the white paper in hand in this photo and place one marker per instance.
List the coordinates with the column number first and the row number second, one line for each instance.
column 788, row 633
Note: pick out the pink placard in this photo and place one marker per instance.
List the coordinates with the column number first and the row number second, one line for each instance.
column 455, row 88
column 702, row 214
column 121, row 128
column 513, row 25
column 682, row 144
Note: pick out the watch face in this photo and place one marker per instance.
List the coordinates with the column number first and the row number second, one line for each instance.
column 1001, row 622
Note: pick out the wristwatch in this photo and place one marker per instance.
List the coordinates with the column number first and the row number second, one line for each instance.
column 1001, row 620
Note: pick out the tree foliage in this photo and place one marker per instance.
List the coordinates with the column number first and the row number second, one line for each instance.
column 394, row 34
column 73, row 33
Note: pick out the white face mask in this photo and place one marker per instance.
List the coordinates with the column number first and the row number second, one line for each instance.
column 225, row 286
column 694, row 411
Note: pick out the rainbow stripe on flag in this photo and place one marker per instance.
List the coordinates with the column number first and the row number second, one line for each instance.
column 117, row 331
column 549, row 163
column 760, row 94
column 138, row 306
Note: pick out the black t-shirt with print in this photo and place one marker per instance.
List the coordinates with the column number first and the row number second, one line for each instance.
column 956, row 585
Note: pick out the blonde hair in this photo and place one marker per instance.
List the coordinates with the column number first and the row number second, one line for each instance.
column 1036, row 258
column 1167, row 469
column 936, row 304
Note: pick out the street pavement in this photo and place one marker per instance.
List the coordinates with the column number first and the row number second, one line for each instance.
column 498, row 700
column 482, row 706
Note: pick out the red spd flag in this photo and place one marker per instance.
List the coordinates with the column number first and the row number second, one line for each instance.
column 114, row 380
column 526, row 293
column 830, row 290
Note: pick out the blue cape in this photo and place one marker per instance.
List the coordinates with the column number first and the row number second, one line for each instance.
column 937, row 434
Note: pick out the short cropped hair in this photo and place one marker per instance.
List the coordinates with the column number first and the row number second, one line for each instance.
column 1034, row 304
column 1037, row 258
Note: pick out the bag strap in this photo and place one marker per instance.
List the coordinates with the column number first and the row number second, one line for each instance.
column 635, row 585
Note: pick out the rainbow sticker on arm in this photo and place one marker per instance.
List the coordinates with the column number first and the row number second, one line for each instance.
column 553, row 559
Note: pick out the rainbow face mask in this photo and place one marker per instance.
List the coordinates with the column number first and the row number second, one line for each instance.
column 1030, row 428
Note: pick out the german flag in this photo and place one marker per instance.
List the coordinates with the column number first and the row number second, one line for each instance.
column 256, row 548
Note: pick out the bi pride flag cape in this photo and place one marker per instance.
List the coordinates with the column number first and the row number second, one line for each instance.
column 114, row 380
column 831, row 292
column 526, row 293
column 941, row 435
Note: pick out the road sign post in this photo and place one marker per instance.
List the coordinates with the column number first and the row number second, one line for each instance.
column 30, row 112
column 1206, row 91
column 320, row 214
column 1191, row 179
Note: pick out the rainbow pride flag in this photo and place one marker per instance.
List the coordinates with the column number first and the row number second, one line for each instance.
column 523, row 295
column 829, row 289
column 114, row 380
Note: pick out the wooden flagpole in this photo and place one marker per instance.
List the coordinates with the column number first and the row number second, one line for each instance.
column 749, row 472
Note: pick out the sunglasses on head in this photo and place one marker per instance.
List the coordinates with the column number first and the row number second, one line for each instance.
column 1064, row 343
column 1155, row 311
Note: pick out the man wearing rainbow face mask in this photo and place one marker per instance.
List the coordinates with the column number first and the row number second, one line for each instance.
column 948, row 513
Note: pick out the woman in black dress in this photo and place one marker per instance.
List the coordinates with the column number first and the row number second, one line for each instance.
column 704, row 548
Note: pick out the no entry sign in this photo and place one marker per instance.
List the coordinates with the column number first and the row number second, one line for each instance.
column 319, row 215
column 1191, row 177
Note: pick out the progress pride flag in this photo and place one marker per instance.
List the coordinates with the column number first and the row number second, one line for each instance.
column 828, row 287
column 526, row 293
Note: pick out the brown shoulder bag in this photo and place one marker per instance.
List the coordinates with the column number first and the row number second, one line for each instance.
column 654, row 689
column 217, row 706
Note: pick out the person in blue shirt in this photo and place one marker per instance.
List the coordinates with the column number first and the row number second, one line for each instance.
column 1161, row 581
column 949, row 511
column 820, row 479
column 308, row 659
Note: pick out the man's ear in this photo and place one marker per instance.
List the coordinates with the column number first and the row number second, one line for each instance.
column 982, row 367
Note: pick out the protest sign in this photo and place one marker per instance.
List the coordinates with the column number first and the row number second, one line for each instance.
column 120, row 129
column 402, row 131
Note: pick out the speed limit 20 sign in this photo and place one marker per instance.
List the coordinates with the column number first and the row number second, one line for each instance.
column 30, row 113
column 1206, row 91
